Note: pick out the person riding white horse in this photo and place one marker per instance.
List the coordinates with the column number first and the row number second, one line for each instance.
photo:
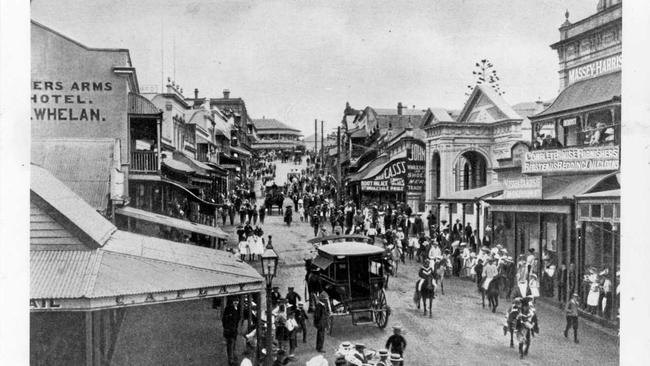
column 425, row 273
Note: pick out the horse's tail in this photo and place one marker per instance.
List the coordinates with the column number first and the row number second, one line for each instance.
column 416, row 296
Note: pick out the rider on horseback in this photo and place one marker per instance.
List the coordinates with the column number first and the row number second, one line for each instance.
column 425, row 273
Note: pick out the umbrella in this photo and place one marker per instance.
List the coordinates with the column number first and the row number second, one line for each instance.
column 287, row 202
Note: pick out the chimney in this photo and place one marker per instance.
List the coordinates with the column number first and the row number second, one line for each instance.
column 399, row 108
column 226, row 94
column 196, row 93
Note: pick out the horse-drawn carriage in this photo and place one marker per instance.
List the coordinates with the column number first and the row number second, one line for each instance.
column 352, row 275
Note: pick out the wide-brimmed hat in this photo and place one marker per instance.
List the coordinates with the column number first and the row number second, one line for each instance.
column 322, row 296
column 395, row 357
column 397, row 327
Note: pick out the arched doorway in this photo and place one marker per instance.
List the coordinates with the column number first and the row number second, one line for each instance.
column 471, row 171
column 435, row 170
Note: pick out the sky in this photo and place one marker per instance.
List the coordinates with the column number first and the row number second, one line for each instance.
column 297, row 61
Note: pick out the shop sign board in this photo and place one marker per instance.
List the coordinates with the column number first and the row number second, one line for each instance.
column 578, row 159
column 389, row 179
column 596, row 68
column 523, row 188
column 415, row 176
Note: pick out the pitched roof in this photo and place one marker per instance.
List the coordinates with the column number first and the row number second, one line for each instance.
column 503, row 110
column 71, row 206
column 272, row 124
column 393, row 112
column 84, row 165
column 584, row 93
column 126, row 263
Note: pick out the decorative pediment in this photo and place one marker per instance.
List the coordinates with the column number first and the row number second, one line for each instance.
column 486, row 106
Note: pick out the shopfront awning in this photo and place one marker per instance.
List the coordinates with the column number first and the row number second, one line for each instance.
column 613, row 193
column 321, row 262
column 176, row 165
column 196, row 166
column 473, row 194
column 172, row 222
column 240, row 151
column 101, row 267
column 558, row 193
column 585, row 93
column 370, row 169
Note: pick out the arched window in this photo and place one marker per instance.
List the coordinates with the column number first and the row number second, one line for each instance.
column 471, row 171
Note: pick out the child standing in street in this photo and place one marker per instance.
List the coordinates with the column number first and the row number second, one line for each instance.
column 571, row 311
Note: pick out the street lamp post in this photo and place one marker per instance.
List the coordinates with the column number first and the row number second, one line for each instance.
column 269, row 269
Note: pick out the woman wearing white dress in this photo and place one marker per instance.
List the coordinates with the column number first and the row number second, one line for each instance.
column 244, row 250
column 533, row 284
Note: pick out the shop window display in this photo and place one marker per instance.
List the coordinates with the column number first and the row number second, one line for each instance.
column 601, row 265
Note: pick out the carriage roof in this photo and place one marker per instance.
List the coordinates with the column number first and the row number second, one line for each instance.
column 350, row 249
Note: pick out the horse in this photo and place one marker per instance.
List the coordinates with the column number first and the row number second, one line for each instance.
column 271, row 200
column 508, row 270
column 426, row 291
column 511, row 323
column 492, row 292
column 440, row 268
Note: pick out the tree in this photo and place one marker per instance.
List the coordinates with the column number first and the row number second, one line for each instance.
column 485, row 73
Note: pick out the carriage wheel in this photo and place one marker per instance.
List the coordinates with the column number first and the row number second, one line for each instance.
column 380, row 308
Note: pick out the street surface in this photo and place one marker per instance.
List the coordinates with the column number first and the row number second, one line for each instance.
column 460, row 332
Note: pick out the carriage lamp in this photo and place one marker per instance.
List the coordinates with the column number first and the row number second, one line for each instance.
column 269, row 264
column 269, row 270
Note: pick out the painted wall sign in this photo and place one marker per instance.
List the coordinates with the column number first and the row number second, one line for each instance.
column 596, row 68
column 44, row 304
column 578, row 159
column 389, row 179
column 523, row 188
column 67, row 101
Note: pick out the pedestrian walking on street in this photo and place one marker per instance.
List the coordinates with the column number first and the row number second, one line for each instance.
column 571, row 311
column 262, row 213
column 396, row 343
column 321, row 315
column 230, row 323
column 292, row 297
column 301, row 318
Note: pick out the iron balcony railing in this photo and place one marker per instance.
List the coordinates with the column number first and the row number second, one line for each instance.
column 144, row 161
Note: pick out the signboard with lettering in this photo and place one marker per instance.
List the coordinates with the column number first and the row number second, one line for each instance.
column 389, row 179
column 596, row 68
column 578, row 159
column 415, row 176
column 523, row 188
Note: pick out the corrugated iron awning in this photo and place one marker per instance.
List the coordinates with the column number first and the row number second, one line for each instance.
column 172, row 222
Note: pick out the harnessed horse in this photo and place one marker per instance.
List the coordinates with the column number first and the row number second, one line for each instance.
column 526, row 326
column 425, row 288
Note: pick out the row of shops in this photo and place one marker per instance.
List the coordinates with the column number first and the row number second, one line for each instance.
column 539, row 176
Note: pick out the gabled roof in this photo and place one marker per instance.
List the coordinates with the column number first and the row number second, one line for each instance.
column 272, row 124
column 435, row 115
column 500, row 109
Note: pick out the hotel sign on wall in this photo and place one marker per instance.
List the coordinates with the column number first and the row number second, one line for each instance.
column 596, row 68
column 54, row 100
column 586, row 159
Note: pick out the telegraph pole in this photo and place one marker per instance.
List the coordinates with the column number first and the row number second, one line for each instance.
column 315, row 141
column 322, row 147
column 338, row 165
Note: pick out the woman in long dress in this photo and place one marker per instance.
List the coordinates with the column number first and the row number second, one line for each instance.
column 244, row 249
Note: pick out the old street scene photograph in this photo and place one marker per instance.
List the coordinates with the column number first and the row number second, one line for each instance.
column 325, row 183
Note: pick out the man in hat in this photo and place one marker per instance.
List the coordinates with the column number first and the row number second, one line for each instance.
column 396, row 343
column 571, row 312
column 230, row 323
column 301, row 319
column 526, row 325
column 292, row 297
column 457, row 229
column 396, row 359
column 383, row 357
column 321, row 315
